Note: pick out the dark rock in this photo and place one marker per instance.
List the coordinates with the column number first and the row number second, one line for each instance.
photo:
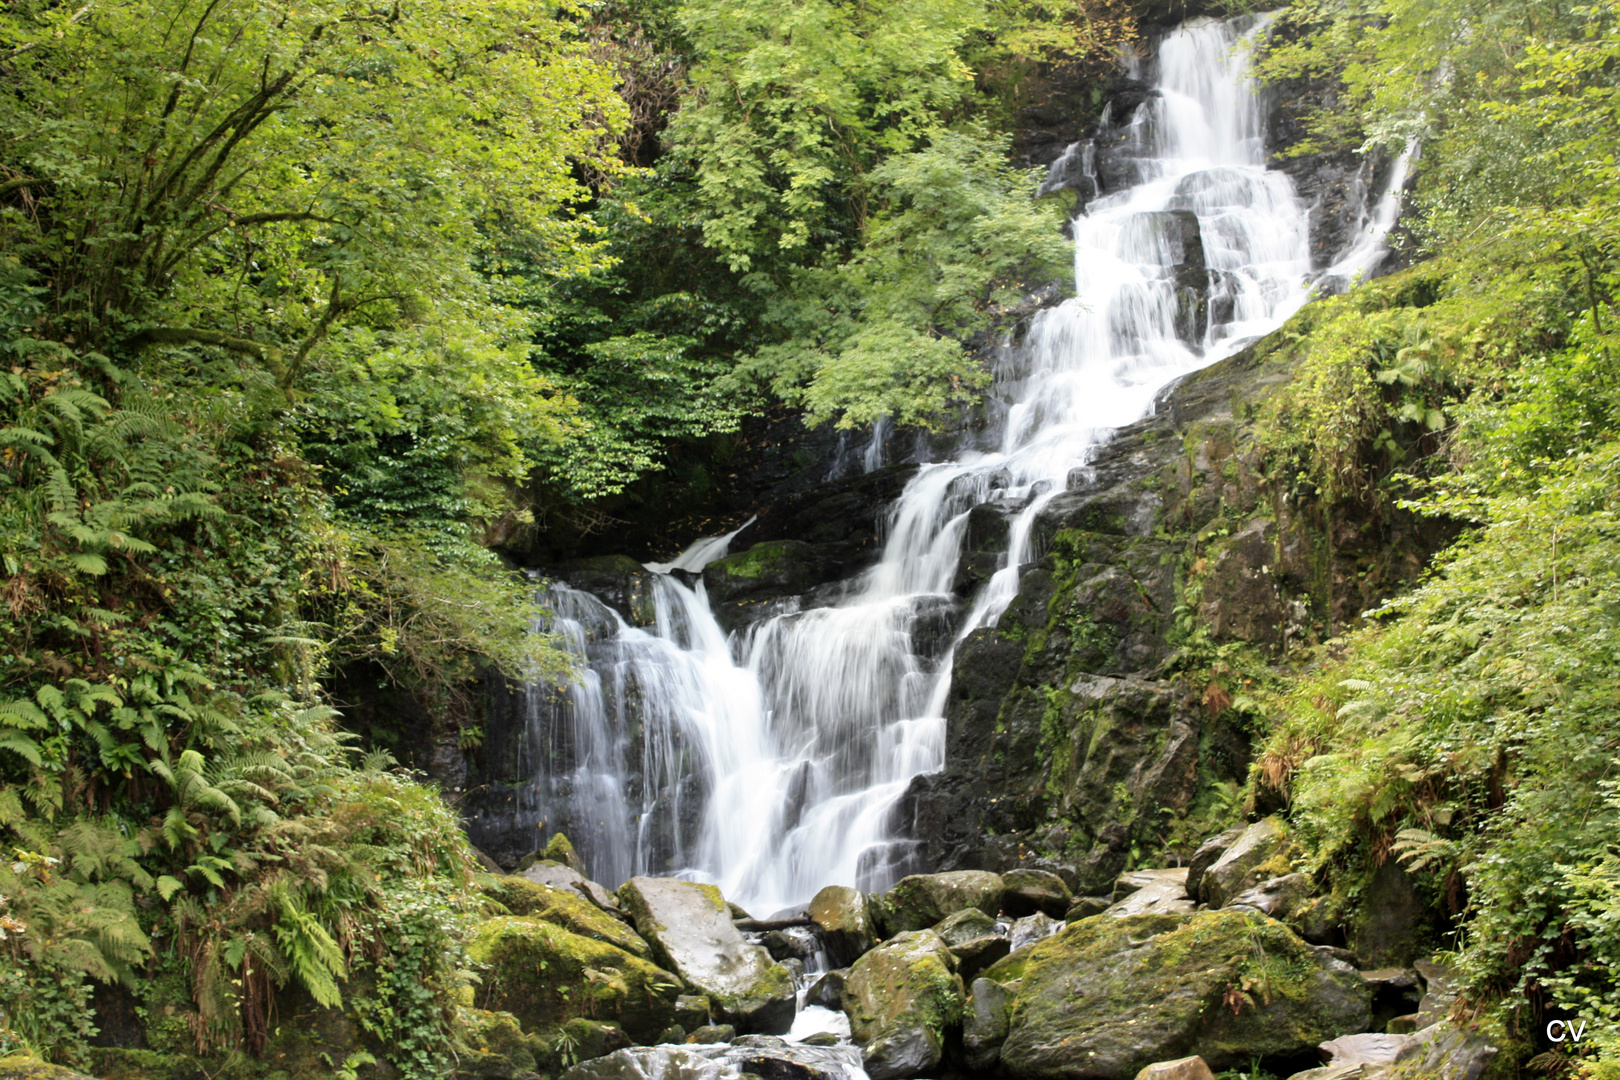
column 1254, row 856
column 712, row 1033
column 772, row 568
column 1207, row 855
column 747, row 1056
column 828, row 989
column 921, row 900
column 617, row 580
column 984, row 1023
column 1388, row 929
column 1029, row 891
column 795, row 942
column 692, row 1011
column 1084, row 907
column 845, row 921
column 1275, row 897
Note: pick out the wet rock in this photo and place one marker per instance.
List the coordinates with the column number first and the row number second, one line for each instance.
column 617, row 580
column 795, row 942
column 984, row 1023
column 690, row 930
column 559, row 876
column 1389, row 925
column 1276, row 897
column 561, row 850
column 1107, row 997
column 901, row 997
column 921, row 900
column 1152, row 892
column 1207, row 855
column 1084, row 907
column 1033, row 928
column 569, row 910
column 1441, row 987
column 773, row 568
column 692, row 1011
column 1029, row 891
column 545, row 975
column 975, row 939
column 846, row 924
column 1187, row 1068
column 822, row 1038
column 828, row 989
column 712, row 1033
column 1244, row 863
column 749, row 1056
column 1241, row 599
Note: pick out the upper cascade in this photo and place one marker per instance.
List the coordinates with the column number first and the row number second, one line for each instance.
column 769, row 761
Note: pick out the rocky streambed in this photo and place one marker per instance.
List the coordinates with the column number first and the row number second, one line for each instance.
column 1174, row 974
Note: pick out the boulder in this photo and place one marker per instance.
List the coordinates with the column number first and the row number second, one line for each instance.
column 796, row 942
column 1389, row 923
column 846, row 925
column 773, row 568
column 560, row 849
column 901, row 997
column 690, row 930
column 712, row 1033
column 569, row 910
column 1084, row 907
column 495, row 1046
column 984, row 1023
column 1033, row 928
column 1257, row 854
column 828, row 989
column 1440, row 988
column 1207, row 855
column 1108, row 997
column 1187, row 1068
column 27, row 1067
column 975, row 939
column 920, row 901
column 1445, row 1053
column 692, row 1011
column 1365, row 1049
column 1151, row 892
column 1276, row 897
column 1029, row 891
column 559, row 876
column 545, row 976
column 750, row 1055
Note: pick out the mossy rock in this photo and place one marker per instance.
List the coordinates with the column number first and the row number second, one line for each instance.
column 114, row 1063
column 901, row 998
column 18, row 1067
column 1108, row 997
column 569, row 910
column 494, row 1047
column 922, row 900
column 545, row 976
column 560, row 849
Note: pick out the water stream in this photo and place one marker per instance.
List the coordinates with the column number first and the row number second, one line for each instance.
column 769, row 761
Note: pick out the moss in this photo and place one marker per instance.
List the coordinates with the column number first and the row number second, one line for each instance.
column 757, row 561
column 17, row 1067
column 120, row 1064
column 560, row 849
column 569, row 910
column 545, row 976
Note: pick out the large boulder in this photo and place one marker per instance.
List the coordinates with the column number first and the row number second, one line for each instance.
column 1278, row 897
column 901, row 997
column 1108, row 997
column 984, row 1023
column 690, row 930
column 1029, row 891
column 545, row 976
column 920, row 901
column 751, row 1055
column 846, row 925
column 1151, row 892
column 1258, row 853
column 975, row 939
column 569, row 910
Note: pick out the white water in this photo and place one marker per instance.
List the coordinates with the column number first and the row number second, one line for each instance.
column 770, row 763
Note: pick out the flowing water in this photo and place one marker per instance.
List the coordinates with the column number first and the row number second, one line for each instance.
column 769, row 761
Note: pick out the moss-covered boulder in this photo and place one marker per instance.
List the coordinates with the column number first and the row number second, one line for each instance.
column 20, row 1067
column 494, row 1047
column 1108, row 997
column 901, row 999
column 846, row 925
column 920, row 901
column 561, row 849
column 569, row 910
column 690, row 930
column 1029, row 891
column 561, row 876
column 975, row 939
column 546, row 975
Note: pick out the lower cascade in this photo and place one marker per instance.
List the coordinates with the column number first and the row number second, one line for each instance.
column 769, row 760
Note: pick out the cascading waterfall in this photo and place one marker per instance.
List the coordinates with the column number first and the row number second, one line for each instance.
column 770, row 762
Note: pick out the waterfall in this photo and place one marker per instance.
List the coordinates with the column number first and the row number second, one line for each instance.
column 769, row 762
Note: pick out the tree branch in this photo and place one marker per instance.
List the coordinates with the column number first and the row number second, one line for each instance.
column 268, row 355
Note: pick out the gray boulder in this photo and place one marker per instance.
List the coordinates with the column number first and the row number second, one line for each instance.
column 1151, row 892
column 690, row 930
column 901, row 997
column 975, row 939
column 1207, row 855
column 1276, row 897
column 1250, row 859
column 559, row 876
column 1107, row 997
column 984, row 1024
column 1033, row 928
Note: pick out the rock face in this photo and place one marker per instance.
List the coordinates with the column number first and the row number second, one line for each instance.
column 920, row 901
column 690, row 930
column 545, row 975
column 1108, row 997
column 846, row 925
column 901, row 998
